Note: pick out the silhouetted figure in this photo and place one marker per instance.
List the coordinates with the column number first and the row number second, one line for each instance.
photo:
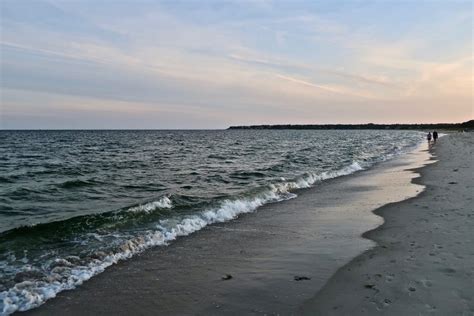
column 435, row 136
column 428, row 137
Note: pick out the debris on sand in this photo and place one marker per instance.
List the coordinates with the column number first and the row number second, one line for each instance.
column 301, row 278
column 226, row 277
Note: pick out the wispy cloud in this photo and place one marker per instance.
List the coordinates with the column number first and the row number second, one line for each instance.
column 327, row 88
column 290, row 60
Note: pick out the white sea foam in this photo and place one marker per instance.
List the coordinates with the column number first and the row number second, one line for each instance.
column 164, row 202
column 30, row 294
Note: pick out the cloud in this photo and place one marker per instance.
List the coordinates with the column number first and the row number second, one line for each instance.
column 230, row 61
column 328, row 88
column 451, row 79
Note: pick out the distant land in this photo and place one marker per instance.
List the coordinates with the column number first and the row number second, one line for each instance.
column 466, row 125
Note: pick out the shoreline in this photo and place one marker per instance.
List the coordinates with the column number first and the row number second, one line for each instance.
column 264, row 252
column 422, row 263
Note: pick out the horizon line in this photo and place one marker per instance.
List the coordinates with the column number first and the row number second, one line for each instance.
column 226, row 128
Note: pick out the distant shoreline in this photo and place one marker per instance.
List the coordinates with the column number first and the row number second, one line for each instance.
column 452, row 126
column 468, row 125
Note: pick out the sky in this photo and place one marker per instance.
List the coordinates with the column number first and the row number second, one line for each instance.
column 211, row 64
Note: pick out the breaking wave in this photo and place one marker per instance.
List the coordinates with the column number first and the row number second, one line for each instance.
column 31, row 286
column 164, row 202
column 200, row 179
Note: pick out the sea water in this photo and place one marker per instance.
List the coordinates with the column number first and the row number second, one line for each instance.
column 73, row 203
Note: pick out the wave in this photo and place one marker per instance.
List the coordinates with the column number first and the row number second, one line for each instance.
column 35, row 287
column 164, row 202
column 71, row 184
column 6, row 180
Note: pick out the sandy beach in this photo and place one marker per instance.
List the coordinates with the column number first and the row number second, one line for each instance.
column 423, row 263
column 297, row 257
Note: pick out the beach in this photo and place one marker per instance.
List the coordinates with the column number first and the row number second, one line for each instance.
column 68, row 217
column 423, row 263
column 278, row 257
column 236, row 158
column 307, row 255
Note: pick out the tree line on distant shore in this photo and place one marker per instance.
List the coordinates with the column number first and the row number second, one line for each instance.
column 454, row 126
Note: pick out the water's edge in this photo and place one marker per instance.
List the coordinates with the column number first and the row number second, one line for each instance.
column 35, row 294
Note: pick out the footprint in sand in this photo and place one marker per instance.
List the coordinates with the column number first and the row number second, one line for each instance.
column 380, row 305
column 389, row 278
column 426, row 283
column 448, row 271
column 430, row 308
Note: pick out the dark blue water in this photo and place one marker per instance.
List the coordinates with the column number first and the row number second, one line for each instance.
column 74, row 202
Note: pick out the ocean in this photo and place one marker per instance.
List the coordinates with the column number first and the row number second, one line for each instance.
column 73, row 203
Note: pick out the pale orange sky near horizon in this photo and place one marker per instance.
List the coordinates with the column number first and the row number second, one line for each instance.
column 205, row 64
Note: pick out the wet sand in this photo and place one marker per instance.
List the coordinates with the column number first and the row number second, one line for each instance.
column 272, row 261
column 424, row 260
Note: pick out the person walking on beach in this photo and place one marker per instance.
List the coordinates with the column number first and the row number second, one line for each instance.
column 428, row 137
column 435, row 136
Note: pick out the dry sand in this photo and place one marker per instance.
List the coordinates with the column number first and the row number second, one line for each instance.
column 424, row 260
